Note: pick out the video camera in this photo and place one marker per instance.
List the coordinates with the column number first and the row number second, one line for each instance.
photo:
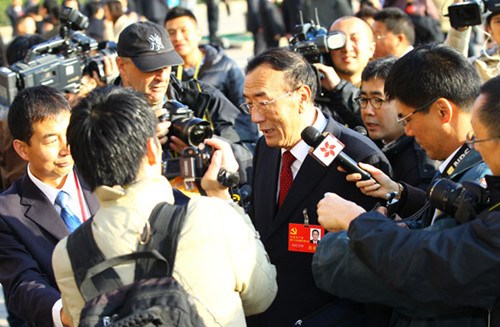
column 59, row 62
column 469, row 13
column 312, row 40
column 462, row 201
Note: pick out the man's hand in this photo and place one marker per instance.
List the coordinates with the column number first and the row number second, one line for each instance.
column 335, row 213
column 331, row 79
column 378, row 186
column 222, row 157
column 111, row 71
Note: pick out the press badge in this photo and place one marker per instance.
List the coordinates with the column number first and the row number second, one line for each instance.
column 304, row 238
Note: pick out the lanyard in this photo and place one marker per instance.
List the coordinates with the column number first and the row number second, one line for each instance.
column 180, row 69
column 455, row 161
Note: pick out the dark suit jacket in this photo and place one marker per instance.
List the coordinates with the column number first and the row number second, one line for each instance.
column 30, row 228
column 297, row 294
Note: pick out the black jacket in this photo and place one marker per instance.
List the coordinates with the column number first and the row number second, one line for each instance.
column 438, row 278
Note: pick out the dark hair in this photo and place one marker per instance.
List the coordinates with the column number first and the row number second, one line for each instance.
column 177, row 12
column 432, row 71
column 108, row 133
column 397, row 22
column 366, row 11
column 93, row 6
column 19, row 47
column 115, row 9
column 378, row 68
column 31, row 105
column 489, row 113
column 297, row 70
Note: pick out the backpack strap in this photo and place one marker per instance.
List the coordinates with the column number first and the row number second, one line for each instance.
column 166, row 222
column 84, row 254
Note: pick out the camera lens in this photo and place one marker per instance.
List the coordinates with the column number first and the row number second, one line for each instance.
column 443, row 195
column 192, row 131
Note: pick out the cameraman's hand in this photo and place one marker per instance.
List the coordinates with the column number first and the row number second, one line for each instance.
column 222, row 157
column 331, row 78
column 378, row 186
column 162, row 131
column 177, row 144
column 111, row 71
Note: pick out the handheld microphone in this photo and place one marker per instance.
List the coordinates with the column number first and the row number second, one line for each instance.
column 327, row 148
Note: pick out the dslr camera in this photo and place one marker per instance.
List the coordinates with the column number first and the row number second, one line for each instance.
column 312, row 41
column 190, row 129
column 192, row 162
column 59, row 62
column 469, row 13
column 462, row 201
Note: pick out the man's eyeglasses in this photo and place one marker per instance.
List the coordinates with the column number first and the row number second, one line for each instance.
column 403, row 120
column 262, row 105
column 471, row 139
column 375, row 102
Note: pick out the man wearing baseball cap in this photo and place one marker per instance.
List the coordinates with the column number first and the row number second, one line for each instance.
column 145, row 58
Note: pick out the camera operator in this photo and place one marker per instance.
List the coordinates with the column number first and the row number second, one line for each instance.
column 443, row 277
column 145, row 58
column 487, row 63
column 340, row 83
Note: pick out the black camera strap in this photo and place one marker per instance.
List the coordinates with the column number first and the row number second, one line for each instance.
column 455, row 161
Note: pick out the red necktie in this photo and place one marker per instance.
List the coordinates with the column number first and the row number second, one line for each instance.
column 286, row 176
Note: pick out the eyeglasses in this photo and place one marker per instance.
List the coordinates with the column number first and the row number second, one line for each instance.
column 379, row 37
column 404, row 120
column 375, row 102
column 471, row 138
column 262, row 105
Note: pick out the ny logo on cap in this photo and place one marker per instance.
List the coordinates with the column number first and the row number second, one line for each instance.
column 155, row 43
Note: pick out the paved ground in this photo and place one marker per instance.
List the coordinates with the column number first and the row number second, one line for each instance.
column 231, row 27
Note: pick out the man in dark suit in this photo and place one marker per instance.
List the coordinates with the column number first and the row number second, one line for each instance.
column 31, row 223
column 279, row 89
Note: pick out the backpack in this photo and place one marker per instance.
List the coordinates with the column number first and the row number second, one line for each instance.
column 155, row 298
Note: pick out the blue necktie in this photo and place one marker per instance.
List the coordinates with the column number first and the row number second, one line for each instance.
column 69, row 218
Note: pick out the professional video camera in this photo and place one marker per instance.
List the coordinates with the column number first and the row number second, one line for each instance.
column 312, row 40
column 470, row 12
column 59, row 62
column 462, row 201
column 190, row 129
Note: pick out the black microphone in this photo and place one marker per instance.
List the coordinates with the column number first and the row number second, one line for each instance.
column 314, row 138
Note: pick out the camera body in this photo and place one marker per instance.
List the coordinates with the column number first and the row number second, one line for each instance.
column 462, row 201
column 191, row 164
column 469, row 13
column 190, row 129
column 59, row 62
column 312, row 41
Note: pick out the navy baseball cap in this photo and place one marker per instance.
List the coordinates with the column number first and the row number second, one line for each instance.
column 148, row 45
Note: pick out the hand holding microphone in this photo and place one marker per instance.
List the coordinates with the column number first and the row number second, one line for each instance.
column 327, row 148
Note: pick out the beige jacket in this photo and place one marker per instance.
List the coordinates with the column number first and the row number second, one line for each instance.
column 220, row 260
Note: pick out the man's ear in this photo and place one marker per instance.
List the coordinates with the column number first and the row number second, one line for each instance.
column 154, row 151
column 444, row 110
column 21, row 148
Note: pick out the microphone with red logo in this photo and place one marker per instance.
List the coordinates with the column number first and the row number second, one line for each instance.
column 326, row 148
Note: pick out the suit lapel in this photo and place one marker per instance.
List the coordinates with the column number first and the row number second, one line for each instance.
column 39, row 210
